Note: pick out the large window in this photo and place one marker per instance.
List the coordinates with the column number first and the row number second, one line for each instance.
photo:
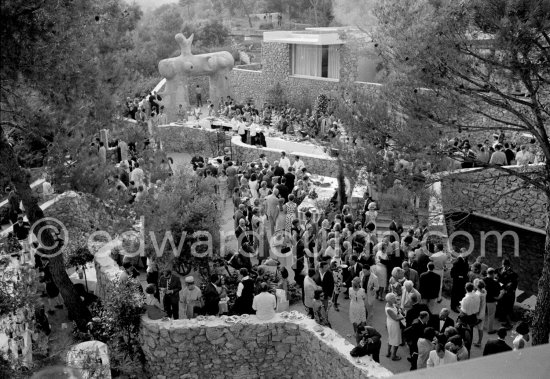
column 316, row 61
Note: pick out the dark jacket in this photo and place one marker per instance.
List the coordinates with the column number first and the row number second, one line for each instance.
column 421, row 262
column 290, row 178
column 495, row 347
column 448, row 322
column 327, row 284
column 429, row 285
column 211, row 300
column 414, row 312
column 415, row 331
column 278, row 171
column 173, row 283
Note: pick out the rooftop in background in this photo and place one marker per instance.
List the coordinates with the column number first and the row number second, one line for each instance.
column 313, row 36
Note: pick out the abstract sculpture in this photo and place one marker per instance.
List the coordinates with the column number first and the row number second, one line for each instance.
column 178, row 70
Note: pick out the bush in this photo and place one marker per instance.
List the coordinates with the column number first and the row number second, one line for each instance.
column 266, row 26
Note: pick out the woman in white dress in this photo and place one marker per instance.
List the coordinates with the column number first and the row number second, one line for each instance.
column 382, row 268
column 253, row 185
column 393, row 321
column 223, row 187
column 371, row 214
column 522, row 337
column 357, row 310
column 482, row 293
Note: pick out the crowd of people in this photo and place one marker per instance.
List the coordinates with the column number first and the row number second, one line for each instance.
column 341, row 255
column 502, row 151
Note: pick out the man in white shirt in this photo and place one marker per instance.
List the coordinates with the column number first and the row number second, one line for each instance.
column 524, row 156
column 440, row 356
column 284, row 162
column 439, row 259
column 264, row 303
column 137, row 175
column 470, row 304
column 298, row 164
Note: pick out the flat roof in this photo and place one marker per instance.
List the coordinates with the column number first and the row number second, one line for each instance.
column 307, row 37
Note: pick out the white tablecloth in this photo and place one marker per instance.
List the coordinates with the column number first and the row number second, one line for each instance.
column 91, row 278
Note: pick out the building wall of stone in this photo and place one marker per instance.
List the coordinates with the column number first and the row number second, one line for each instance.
column 300, row 92
column 255, row 349
column 494, row 193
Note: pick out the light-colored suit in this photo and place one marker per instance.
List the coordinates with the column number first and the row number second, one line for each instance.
column 434, row 359
column 272, row 211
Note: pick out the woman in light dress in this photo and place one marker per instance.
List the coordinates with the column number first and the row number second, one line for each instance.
column 253, row 185
column 371, row 214
column 290, row 210
column 223, row 187
column 393, row 321
column 357, row 310
column 263, row 249
column 479, row 284
column 382, row 268
column 522, row 337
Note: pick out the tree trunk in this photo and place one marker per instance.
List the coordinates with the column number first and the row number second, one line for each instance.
column 9, row 168
column 341, row 184
column 541, row 317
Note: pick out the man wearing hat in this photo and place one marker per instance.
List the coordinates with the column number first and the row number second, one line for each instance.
column 170, row 287
column 191, row 298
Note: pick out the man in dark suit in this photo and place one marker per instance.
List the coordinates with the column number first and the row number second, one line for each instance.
column 290, row 178
column 170, row 287
column 212, row 296
column 497, row 346
column 413, row 333
column 277, row 170
column 283, row 189
column 444, row 321
column 244, row 242
column 325, row 279
column 421, row 260
column 416, row 308
column 354, row 269
column 429, row 286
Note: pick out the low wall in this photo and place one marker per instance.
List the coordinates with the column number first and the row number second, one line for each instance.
column 276, row 348
column 256, row 349
column 315, row 164
column 175, row 139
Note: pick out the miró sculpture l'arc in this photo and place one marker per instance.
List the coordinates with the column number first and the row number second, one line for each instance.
column 178, row 70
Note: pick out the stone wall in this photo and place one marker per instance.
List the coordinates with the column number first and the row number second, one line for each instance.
column 299, row 91
column 250, row 350
column 175, row 139
column 315, row 164
column 494, row 193
column 277, row 348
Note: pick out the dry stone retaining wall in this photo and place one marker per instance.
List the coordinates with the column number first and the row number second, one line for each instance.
column 256, row 349
column 185, row 349
column 494, row 193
